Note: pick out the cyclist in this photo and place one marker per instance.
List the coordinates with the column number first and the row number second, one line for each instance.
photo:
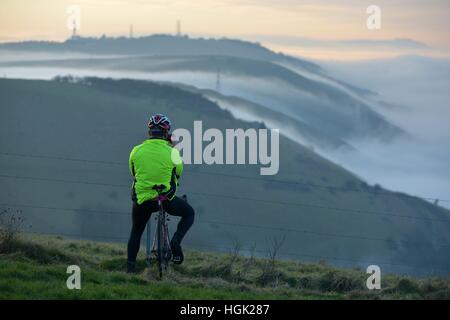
column 156, row 162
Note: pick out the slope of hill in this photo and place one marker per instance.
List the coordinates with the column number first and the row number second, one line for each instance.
column 64, row 152
column 295, row 87
column 161, row 45
column 35, row 268
column 293, row 128
column 328, row 111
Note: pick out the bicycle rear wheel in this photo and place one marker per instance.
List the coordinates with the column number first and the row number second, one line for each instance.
column 160, row 254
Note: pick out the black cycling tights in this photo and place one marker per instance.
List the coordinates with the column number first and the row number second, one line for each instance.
column 141, row 213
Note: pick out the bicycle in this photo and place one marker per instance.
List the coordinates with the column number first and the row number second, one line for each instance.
column 161, row 244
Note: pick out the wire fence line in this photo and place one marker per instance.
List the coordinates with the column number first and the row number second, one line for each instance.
column 253, row 226
column 277, row 202
column 265, row 180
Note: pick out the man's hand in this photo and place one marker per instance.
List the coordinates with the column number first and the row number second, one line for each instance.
column 170, row 139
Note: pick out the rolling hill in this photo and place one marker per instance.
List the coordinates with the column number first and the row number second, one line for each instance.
column 333, row 113
column 160, row 45
column 64, row 151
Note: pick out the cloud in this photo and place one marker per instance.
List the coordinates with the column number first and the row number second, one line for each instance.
column 400, row 43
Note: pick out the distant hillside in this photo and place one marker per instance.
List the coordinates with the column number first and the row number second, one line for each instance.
column 35, row 268
column 331, row 116
column 162, row 45
column 63, row 160
column 293, row 128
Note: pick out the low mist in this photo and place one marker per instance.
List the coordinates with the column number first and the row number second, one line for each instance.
column 412, row 94
column 417, row 88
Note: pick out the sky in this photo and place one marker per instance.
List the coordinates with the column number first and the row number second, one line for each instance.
column 322, row 29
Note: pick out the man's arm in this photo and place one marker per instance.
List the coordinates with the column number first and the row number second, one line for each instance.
column 130, row 161
column 177, row 161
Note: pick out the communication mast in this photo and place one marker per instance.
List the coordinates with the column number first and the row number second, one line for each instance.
column 74, row 29
column 178, row 28
column 218, row 82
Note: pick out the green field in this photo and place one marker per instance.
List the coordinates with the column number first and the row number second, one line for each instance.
column 34, row 267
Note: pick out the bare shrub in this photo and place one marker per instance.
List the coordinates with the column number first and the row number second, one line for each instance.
column 251, row 261
column 227, row 270
column 10, row 226
column 270, row 274
column 340, row 281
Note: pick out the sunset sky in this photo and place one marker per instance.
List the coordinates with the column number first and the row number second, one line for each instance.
column 314, row 28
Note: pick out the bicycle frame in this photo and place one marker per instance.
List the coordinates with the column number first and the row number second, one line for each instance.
column 161, row 243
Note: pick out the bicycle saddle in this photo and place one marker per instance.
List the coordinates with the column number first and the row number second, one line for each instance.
column 159, row 187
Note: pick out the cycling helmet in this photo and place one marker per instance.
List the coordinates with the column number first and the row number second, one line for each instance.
column 159, row 121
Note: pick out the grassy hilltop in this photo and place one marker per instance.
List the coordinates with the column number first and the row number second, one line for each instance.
column 34, row 267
